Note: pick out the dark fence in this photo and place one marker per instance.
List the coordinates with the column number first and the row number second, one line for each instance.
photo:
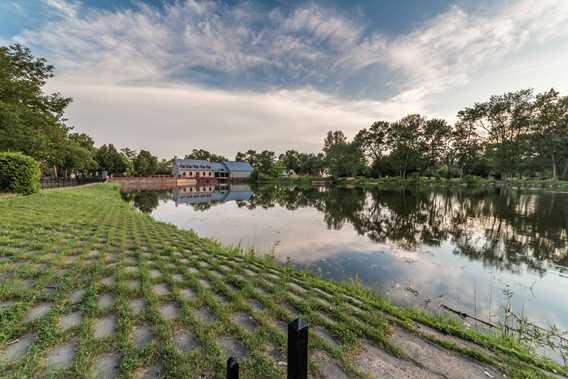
column 297, row 353
column 56, row 181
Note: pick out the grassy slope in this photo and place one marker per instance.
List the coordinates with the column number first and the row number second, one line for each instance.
column 89, row 240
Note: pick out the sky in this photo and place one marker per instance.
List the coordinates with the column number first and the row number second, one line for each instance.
column 225, row 76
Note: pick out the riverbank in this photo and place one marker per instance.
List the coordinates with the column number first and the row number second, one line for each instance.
column 90, row 284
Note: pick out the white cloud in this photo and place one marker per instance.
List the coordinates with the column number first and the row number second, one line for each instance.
column 445, row 51
column 172, row 120
column 134, row 73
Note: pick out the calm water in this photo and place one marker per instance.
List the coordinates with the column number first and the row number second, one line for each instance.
column 463, row 249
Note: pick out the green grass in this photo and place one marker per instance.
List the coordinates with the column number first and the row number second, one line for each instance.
column 54, row 244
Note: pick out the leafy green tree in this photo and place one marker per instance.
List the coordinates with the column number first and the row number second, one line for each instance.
column 205, row 155
column 78, row 160
column 504, row 119
column 165, row 167
column 342, row 158
column 435, row 147
column 111, row 160
column 466, row 147
column 549, row 131
column 405, row 141
column 31, row 121
column 373, row 141
column 145, row 164
column 291, row 160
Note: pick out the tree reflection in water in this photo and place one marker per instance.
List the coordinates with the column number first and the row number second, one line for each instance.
column 505, row 229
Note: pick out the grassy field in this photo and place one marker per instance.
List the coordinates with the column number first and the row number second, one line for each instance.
column 89, row 287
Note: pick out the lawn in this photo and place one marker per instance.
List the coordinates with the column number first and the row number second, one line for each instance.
column 90, row 287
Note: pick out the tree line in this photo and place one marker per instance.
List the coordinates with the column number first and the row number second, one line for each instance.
column 517, row 134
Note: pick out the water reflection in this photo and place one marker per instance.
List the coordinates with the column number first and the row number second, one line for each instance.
column 460, row 248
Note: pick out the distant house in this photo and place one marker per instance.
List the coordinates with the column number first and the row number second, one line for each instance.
column 200, row 169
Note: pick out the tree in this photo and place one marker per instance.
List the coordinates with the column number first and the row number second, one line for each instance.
column 145, row 164
column 466, row 147
column 205, row 155
column 435, row 146
column 111, row 160
column 291, row 160
column 373, row 141
column 405, row 141
column 504, row 119
column 165, row 167
column 342, row 158
column 333, row 138
column 549, row 131
column 30, row 120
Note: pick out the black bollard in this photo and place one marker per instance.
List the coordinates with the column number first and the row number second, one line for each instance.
column 232, row 368
column 297, row 349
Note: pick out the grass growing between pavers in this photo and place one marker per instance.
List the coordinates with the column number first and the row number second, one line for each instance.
column 91, row 287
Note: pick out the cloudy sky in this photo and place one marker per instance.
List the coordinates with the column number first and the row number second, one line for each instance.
column 170, row 76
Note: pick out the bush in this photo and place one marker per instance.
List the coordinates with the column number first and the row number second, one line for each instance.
column 18, row 173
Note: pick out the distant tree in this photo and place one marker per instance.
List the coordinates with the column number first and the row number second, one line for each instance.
column 549, row 131
column 435, row 144
column 342, row 158
column 78, row 160
column 111, row 160
column 504, row 119
column 406, row 145
column 466, row 147
column 291, row 160
column 205, row 155
column 145, row 164
column 165, row 167
column 240, row 157
column 333, row 138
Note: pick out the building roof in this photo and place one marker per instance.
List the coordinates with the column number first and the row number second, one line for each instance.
column 216, row 166
column 195, row 163
column 238, row 166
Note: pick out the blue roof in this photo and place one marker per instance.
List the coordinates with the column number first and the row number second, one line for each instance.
column 238, row 166
column 218, row 166
column 193, row 162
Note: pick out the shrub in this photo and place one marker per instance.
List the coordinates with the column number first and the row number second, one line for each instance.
column 18, row 173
